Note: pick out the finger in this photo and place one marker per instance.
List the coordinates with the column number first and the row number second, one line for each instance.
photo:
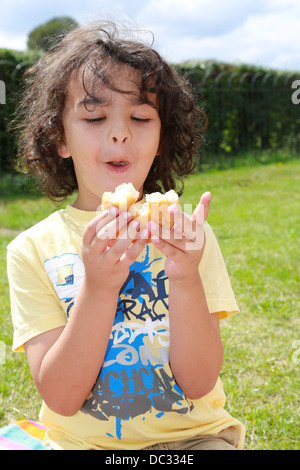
column 201, row 212
column 90, row 230
column 168, row 249
column 112, row 229
column 168, row 236
column 184, row 225
column 122, row 244
column 133, row 251
column 173, row 247
column 155, row 229
column 197, row 243
column 205, row 200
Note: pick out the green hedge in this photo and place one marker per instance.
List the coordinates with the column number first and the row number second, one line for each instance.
column 248, row 108
column 12, row 67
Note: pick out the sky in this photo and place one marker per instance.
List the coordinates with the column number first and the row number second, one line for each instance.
column 254, row 32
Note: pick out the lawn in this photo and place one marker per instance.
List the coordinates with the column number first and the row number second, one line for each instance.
column 255, row 213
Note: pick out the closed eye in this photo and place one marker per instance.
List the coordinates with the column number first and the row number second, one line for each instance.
column 95, row 119
column 135, row 118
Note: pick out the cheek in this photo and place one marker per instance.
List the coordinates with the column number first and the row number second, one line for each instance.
column 157, row 146
column 153, row 141
column 80, row 142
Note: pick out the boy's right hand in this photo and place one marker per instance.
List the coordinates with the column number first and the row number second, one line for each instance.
column 106, row 250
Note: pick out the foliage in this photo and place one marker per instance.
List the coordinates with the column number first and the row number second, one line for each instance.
column 12, row 67
column 48, row 34
column 248, row 108
column 255, row 215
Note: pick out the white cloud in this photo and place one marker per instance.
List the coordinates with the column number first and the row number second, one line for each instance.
column 21, row 16
column 263, row 32
column 198, row 17
column 263, row 37
column 16, row 42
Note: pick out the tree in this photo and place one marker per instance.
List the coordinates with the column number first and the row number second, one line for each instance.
column 48, row 34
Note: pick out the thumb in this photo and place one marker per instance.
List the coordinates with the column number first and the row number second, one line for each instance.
column 205, row 200
column 201, row 212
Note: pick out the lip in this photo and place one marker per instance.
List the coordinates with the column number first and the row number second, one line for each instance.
column 117, row 169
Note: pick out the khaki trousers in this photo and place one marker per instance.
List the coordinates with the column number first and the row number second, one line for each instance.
column 225, row 440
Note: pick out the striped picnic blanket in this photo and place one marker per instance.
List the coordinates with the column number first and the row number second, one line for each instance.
column 22, row 435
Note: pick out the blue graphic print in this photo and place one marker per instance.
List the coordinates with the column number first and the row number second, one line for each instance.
column 133, row 380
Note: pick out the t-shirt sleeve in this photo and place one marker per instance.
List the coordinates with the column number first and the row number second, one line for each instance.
column 217, row 286
column 35, row 307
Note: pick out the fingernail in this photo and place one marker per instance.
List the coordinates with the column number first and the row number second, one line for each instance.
column 155, row 239
column 113, row 210
column 145, row 234
column 153, row 226
column 126, row 215
column 206, row 196
column 102, row 234
column 135, row 224
column 173, row 208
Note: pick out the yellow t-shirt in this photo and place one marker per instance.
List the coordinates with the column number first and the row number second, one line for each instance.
column 135, row 402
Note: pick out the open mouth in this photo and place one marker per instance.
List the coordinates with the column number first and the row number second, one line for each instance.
column 123, row 163
column 118, row 164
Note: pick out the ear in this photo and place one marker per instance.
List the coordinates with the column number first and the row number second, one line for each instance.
column 63, row 150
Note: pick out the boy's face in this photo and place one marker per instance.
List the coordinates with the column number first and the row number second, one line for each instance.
column 112, row 141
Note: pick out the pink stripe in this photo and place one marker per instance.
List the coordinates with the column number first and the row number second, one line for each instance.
column 11, row 445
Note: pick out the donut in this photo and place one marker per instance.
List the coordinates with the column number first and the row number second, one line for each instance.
column 155, row 208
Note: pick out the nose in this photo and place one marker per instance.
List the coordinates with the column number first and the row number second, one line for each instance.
column 120, row 132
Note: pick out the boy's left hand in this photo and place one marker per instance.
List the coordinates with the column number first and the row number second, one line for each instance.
column 183, row 245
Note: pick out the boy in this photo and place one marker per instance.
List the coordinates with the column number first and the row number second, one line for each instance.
column 122, row 338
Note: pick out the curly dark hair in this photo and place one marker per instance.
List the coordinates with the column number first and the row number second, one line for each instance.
column 97, row 47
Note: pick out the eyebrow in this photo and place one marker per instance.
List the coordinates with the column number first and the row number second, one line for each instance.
column 90, row 100
column 102, row 101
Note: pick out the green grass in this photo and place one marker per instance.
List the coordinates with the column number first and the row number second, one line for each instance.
column 255, row 213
